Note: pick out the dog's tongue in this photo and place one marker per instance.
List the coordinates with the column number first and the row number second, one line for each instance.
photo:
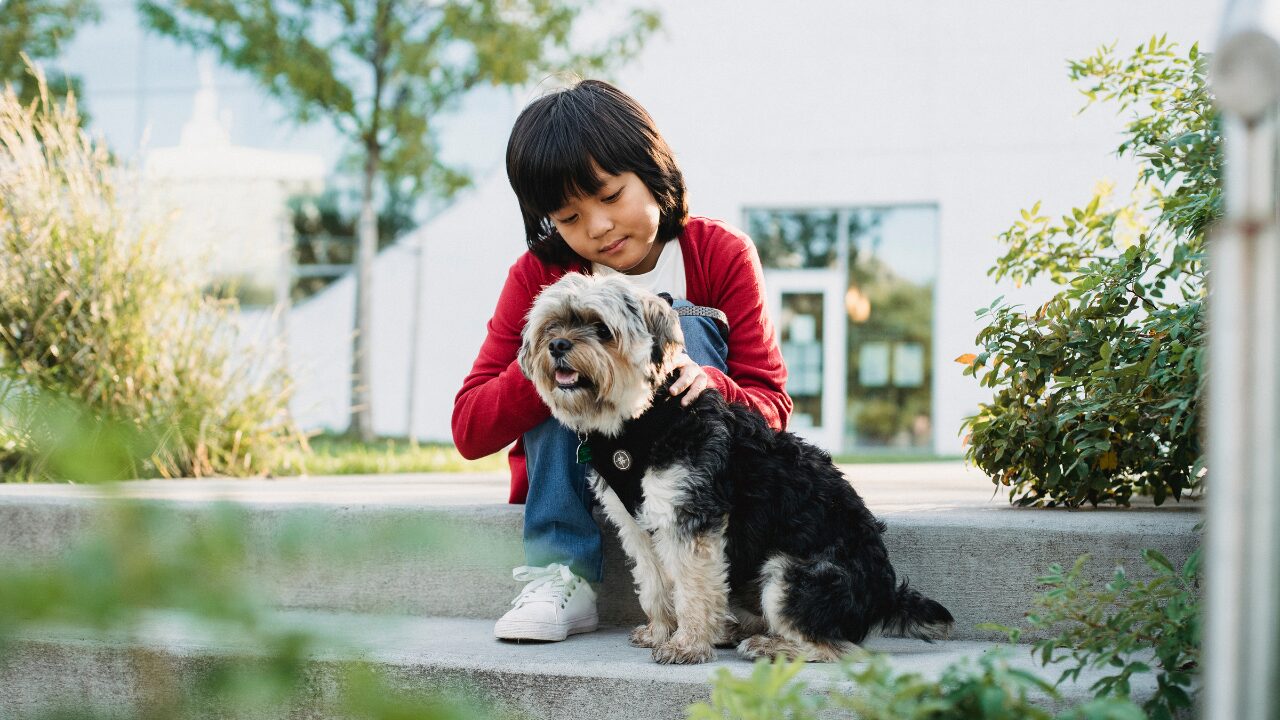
column 566, row 377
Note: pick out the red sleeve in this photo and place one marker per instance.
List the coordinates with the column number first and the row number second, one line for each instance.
column 497, row 404
column 757, row 375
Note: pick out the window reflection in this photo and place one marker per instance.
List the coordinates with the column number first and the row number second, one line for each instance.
column 888, row 258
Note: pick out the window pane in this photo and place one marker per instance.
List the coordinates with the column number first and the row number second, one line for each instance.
column 795, row 238
column 892, row 266
column 801, row 325
column 885, row 263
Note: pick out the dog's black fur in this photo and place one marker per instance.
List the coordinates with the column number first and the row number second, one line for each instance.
column 783, row 495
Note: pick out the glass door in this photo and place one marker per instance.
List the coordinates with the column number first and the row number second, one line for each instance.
column 806, row 308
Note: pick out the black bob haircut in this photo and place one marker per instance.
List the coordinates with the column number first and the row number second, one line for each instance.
column 562, row 141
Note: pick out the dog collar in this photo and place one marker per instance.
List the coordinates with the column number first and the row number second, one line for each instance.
column 622, row 461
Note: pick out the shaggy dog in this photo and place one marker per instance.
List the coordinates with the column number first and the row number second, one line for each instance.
column 739, row 534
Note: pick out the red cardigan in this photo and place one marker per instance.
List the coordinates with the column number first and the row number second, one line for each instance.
column 497, row 404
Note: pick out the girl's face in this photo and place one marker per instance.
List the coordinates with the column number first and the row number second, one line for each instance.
column 616, row 227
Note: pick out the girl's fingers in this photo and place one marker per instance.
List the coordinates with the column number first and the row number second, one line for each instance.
column 695, row 389
column 689, row 370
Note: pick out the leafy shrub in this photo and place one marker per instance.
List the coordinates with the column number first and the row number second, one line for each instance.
column 1122, row 627
column 991, row 690
column 91, row 311
column 1098, row 390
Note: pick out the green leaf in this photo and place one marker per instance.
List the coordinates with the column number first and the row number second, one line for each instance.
column 1157, row 560
column 1191, row 568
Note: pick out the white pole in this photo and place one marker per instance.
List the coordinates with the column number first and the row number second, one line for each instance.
column 1242, row 551
column 419, row 250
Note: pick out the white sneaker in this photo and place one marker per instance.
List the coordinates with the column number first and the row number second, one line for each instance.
column 554, row 605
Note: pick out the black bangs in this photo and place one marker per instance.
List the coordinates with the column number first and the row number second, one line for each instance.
column 563, row 142
column 559, row 166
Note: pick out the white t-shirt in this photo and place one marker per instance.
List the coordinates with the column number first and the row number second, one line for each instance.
column 667, row 276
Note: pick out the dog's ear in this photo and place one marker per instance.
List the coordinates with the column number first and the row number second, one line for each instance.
column 532, row 326
column 663, row 325
column 522, row 356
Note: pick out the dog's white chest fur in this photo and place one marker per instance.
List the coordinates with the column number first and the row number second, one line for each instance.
column 663, row 490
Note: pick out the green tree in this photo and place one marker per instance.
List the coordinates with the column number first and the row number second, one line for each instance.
column 39, row 28
column 381, row 73
column 1098, row 390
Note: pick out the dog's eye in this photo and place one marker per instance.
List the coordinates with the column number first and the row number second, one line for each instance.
column 602, row 332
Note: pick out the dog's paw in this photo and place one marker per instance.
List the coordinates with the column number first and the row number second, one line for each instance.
column 679, row 651
column 758, row 646
column 735, row 630
column 649, row 636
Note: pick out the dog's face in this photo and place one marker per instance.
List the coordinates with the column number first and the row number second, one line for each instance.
column 596, row 348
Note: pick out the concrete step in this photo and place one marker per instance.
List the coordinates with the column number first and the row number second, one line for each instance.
column 590, row 676
column 443, row 545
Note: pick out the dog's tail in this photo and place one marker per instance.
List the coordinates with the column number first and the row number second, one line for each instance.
column 917, row 616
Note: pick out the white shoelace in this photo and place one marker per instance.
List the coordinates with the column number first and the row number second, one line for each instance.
column 553, row 582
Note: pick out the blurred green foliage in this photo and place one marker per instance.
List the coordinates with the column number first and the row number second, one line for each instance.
column 867, row 688
column 1097, row 391
column 39, row 30
column 324, row 234
column 1124, row 628
column 143, row 567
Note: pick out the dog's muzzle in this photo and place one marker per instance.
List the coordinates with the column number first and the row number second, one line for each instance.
column 567, row 378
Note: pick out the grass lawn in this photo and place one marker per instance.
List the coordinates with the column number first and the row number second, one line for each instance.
column 343, row 455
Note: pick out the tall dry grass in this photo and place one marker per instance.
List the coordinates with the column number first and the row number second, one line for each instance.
column 94, row 314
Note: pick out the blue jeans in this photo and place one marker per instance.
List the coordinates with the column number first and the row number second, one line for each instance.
column 558, row 526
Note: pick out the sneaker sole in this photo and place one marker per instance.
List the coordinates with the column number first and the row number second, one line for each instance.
column 547, row 632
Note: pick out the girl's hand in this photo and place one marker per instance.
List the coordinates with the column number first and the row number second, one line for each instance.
column 692, row 381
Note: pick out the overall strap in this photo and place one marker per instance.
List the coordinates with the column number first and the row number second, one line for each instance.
column 721, row 320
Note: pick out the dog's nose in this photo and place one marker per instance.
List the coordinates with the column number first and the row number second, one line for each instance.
column 560, row 346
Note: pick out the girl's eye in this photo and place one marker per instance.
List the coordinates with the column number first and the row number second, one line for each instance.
column 614, row 196
column 567, row 221
column 602, row 332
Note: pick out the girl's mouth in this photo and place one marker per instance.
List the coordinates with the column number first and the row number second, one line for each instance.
column 613, row 246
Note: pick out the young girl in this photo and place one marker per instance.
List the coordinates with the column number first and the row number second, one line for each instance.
column 600, row 192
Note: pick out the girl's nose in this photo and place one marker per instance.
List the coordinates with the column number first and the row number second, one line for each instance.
column 599, row 225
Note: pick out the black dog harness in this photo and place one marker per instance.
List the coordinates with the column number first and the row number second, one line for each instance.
column 621, row 461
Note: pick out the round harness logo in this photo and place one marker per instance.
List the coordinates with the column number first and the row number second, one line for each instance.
column 622, row 459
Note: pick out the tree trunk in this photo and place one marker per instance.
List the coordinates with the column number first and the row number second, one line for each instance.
column 361, row 396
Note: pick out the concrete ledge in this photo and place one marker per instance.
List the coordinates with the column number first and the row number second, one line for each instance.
column 414, row 546
column 589, row 676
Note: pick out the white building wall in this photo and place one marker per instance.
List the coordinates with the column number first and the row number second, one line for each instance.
column 963, row 105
